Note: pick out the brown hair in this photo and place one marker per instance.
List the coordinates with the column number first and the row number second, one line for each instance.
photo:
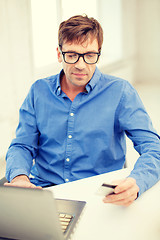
column 79, row 28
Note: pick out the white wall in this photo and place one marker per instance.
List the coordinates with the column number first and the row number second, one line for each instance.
column 15, row 64
column 125, row 67
column 141, row 43
column 148, row 36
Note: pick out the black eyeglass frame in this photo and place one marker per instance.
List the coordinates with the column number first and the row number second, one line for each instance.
column 81, row 55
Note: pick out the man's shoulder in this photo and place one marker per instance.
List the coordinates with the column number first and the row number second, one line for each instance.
column 111, row 78
column 46, row 81
column 47, row 84
column 44, row 86
column 114, row 81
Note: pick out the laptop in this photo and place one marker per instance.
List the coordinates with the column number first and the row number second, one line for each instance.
column 34, row 214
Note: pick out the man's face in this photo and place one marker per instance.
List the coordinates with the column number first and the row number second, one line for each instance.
column 79, row 73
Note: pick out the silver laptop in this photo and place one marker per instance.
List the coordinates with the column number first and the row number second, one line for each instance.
column 33, row 214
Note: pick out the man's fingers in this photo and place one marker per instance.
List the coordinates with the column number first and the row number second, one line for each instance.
column 122, row 202
column 125, row 185
column 6, row 184
column 125, row 193
column 23, row 184
column 120, row 199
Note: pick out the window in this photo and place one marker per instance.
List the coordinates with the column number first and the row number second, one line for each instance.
column 72, row 7
column 44, row 32
column 111, row 21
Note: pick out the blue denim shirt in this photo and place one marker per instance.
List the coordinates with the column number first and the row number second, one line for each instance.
column 74, row 140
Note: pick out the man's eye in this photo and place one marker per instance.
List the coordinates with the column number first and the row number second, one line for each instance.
column 91, row 55
column 71, row 55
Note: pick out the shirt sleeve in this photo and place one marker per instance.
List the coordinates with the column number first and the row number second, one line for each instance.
column 134, row 120
column 23, row 148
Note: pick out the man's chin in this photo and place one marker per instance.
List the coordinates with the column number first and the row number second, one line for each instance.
column 79, row 84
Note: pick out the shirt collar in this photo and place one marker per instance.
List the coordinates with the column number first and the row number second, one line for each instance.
column 58, row 83
column 95, row 78
column 89, row 87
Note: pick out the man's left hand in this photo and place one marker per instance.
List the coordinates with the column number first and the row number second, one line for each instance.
column 125, row 192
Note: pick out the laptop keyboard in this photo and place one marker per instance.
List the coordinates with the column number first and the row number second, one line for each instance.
column 65, row 220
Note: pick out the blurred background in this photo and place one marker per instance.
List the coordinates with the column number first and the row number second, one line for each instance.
column 28, row 41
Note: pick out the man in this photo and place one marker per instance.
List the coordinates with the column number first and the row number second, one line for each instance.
column 74, row 124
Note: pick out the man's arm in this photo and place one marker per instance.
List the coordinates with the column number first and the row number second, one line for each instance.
column 133, row 119
column 21, row 181
column 23, row 148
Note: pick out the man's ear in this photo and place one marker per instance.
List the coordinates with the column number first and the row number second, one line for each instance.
column 59, row 55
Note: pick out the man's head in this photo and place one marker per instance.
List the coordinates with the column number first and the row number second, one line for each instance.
column 80, row 41
column 78, row 29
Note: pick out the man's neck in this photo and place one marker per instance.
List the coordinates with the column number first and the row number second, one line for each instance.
column 69, row 89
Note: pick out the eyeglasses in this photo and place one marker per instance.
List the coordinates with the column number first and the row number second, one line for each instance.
column 73, row 57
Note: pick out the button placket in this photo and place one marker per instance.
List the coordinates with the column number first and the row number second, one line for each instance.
column 70, row 137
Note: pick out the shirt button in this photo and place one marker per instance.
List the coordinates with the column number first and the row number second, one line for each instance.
column 69, row 136
column 67, row 180
column 71, row 114
column 67, row 159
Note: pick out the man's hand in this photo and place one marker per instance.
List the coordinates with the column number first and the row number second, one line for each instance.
column 21, row 181
column 125, row 192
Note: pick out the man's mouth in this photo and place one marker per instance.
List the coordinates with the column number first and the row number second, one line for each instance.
column 79, row 75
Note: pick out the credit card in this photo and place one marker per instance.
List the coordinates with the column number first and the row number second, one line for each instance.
column 106, row 189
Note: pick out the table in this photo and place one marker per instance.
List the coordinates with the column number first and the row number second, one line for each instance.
column 139, row 221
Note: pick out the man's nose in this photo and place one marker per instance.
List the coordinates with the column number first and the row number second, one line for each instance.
column 81, row 63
